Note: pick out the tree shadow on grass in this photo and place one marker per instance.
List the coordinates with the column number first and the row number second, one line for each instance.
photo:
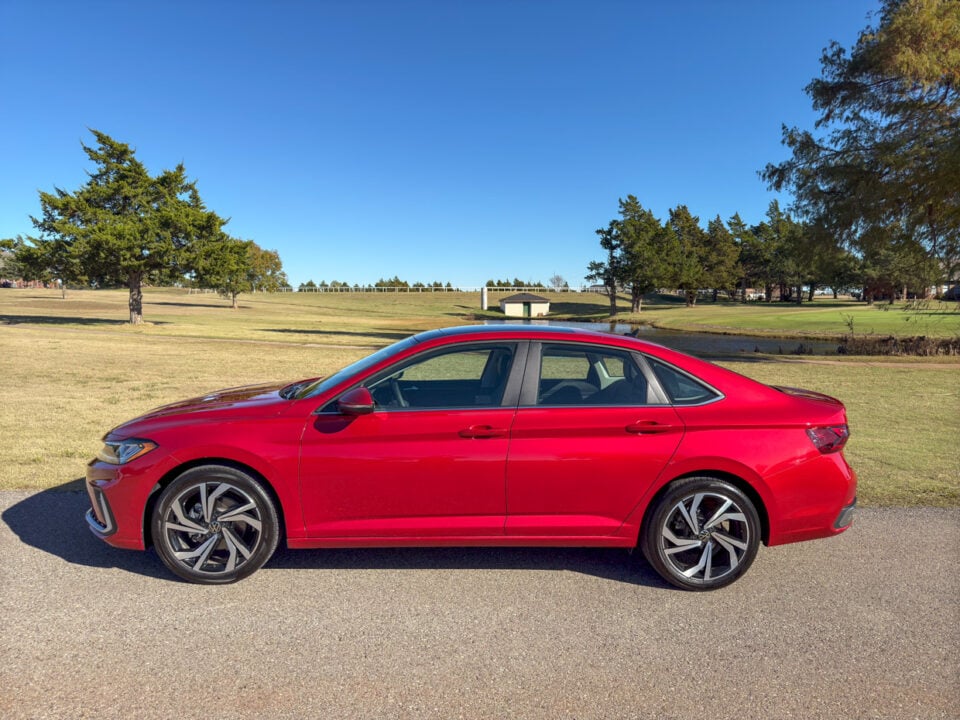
column 225, row 306
column 58, row 320
column 372, row 334
column 52, row 521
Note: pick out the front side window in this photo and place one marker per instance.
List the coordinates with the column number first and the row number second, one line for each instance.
column 459, row 378
column 587, row 375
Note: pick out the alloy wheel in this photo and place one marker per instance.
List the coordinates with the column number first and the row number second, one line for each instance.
column 705, row 537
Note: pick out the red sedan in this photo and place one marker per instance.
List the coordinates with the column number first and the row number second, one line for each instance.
column 483, row 436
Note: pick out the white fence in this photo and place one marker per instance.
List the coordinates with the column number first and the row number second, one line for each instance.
column 437, row 289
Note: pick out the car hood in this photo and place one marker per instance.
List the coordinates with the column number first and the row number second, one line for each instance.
column 246, row 401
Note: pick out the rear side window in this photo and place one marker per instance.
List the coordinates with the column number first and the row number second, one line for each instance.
column 682, row 389
column 589, row 375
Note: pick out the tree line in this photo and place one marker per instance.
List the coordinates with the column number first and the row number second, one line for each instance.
column 392, row 283
column 127, row 228
column 395, row 283
column 779, row 258
column 879, row 175
column 876, row 196
column 644, row 254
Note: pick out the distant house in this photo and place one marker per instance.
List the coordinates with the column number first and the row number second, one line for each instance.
column 525, row 305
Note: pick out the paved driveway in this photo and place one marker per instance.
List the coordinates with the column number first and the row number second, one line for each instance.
column 866, row 625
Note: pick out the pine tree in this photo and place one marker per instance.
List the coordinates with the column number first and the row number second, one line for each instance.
column 123, row 227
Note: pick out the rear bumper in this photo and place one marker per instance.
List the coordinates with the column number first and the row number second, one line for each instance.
column 815, row 499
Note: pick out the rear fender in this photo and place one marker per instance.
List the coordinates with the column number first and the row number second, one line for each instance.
column 720, row 467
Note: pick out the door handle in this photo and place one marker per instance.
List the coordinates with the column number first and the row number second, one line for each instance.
column 482, row 431
column 648, row 427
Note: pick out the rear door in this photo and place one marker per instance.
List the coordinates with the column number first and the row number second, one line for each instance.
column 590, row 436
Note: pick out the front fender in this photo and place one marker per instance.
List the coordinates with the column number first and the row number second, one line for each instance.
column 280, row 473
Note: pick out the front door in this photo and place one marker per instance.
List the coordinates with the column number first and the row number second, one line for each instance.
column 430, row 461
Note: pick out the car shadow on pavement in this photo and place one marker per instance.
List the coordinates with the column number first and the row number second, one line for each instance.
column 606, row 563
column 52, row 521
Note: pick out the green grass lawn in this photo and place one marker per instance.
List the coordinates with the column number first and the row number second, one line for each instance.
column 73, row 369
column 822, row 318
column 904, row 422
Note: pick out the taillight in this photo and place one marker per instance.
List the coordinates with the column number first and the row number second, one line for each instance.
column 829, row 439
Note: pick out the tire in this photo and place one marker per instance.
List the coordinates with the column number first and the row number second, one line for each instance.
column 214, row 525
column 702, row 534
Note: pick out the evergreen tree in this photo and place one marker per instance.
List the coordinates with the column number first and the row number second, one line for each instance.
column 648, row 251
column 123, row 227
column 721, row 258
column 608, row 272
column 690, row 271
column 884, row 174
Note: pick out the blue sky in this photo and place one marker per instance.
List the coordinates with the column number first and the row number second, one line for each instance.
column 447, row 141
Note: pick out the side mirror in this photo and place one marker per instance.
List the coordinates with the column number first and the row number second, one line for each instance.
column 358, row 401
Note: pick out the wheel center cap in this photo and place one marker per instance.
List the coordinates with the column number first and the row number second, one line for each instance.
column 215, row 526
column 704, row 535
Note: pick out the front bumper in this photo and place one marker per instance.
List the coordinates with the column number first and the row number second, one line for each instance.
column 100, row 517
column 118, row 500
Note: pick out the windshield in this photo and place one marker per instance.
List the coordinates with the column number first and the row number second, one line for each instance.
column 324, row 384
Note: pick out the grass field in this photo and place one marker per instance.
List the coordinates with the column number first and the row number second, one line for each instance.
column 822, row 318
column 363, row 318
column 73, row 369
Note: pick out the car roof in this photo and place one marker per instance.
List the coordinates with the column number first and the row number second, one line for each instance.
column 507, row 331
column 526, row 331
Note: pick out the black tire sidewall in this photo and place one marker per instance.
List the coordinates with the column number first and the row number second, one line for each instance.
column 269, row 532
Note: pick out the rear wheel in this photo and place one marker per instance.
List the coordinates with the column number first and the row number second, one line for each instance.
column 702, row 534
column 215, row 524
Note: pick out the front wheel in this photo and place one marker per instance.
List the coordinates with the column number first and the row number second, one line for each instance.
column 214, row 525
column 702, row 534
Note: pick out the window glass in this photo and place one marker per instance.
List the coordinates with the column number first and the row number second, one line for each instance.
column 324, row 384
column 680, row 387
column 588, row 375
column 561, row 366
column 451, row 366
column 614, row 366
column 464, row 377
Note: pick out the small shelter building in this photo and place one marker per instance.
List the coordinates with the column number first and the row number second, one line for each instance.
column 525, row 305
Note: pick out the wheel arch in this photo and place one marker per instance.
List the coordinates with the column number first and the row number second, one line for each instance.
column 174, row 473
column 740, row 483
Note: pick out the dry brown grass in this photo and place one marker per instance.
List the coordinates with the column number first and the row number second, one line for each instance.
column 72, row 370
column 63, row 389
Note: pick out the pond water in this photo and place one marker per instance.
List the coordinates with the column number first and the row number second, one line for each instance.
column 700, row 344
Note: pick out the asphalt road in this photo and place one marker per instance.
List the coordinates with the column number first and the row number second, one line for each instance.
column 866, row 625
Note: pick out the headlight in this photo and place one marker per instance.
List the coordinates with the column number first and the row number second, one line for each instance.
column 119, row 452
